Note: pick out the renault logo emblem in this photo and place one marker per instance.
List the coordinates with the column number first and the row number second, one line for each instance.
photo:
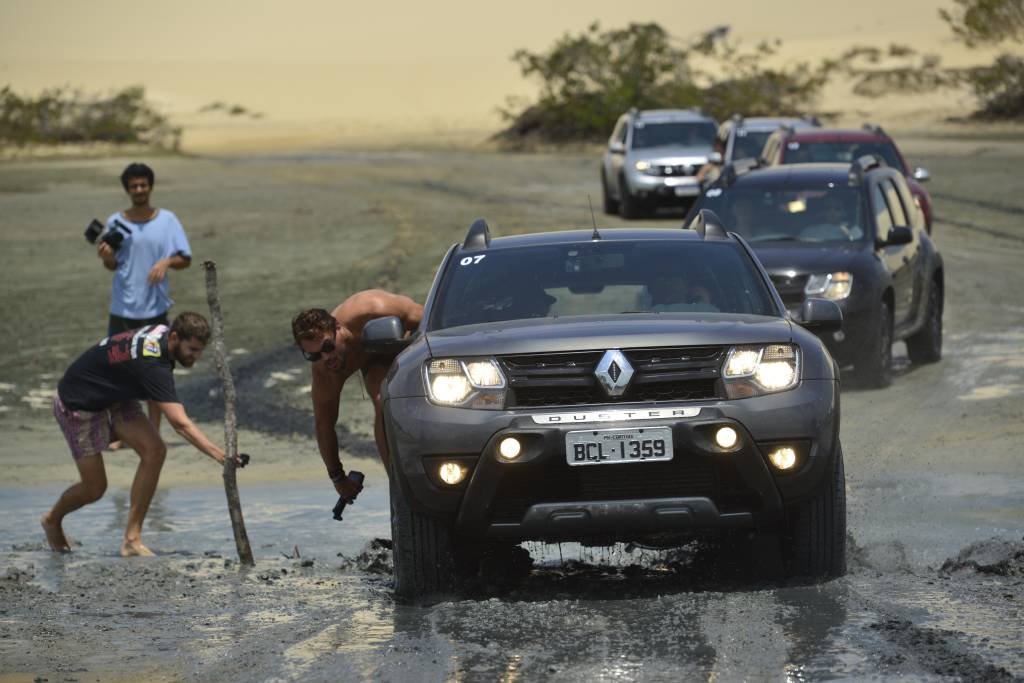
column 614, row 372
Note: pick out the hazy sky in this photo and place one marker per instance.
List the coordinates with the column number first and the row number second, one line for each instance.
column 428, row 64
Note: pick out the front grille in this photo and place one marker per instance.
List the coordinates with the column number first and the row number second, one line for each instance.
column 791, row 289
column 567, row 379
column 687, row 474
column 674, row 169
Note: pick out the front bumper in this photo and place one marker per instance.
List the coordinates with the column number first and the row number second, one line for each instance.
column 663, row 187
column 540, row 497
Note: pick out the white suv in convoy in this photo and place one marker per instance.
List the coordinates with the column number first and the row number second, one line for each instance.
column 653, row 157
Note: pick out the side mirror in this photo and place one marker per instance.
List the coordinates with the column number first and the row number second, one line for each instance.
column 922, row 175
column 821, row 316
column 385, row 335
column 616, row 147
column 715, row 158
column 899, row 235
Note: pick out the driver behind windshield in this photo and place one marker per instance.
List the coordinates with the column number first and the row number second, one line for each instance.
column 833, row 220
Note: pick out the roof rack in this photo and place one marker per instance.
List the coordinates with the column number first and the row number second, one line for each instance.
column 707, row 224
column 874, row 128
column 479, row 235
column 861, row 165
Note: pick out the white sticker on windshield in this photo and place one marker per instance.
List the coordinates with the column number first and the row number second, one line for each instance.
column 472, row 260
column 713, row 192
column 793, row 145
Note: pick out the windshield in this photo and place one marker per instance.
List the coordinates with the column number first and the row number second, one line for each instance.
column 601, row 278
column 748, row 143
column 843, row 152
column 678, row 134
column 795, row 215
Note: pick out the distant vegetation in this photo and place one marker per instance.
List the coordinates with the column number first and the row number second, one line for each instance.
column 998, row 87
column 588, row 80
column 229, row 109
column 65, row 115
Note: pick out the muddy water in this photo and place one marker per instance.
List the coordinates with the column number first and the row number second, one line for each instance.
column 935, row 476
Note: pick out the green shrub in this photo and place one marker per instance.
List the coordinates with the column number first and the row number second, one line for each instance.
column 63, row 115
column 588, row 80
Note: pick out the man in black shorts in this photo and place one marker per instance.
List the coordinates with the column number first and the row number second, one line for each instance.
column 97, row 401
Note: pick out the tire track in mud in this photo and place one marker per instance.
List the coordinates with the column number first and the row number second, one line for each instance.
column 940, row 651
column 259, row 409
column 967, row 225
column 999, row 207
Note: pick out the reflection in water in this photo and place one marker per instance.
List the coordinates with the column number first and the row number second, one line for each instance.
column 157, row 519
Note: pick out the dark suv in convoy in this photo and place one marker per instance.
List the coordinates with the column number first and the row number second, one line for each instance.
column 795, row 145
column 849, row 233
column 641, row 385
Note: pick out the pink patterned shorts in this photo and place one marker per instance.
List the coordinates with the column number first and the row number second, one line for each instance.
column 88, row 433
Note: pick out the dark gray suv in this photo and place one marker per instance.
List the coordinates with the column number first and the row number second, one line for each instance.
column 639, row 385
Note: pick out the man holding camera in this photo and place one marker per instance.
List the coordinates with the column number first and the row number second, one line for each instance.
column 96, row 402
column 139, row 245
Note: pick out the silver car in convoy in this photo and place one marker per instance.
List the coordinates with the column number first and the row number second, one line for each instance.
column 652, row 159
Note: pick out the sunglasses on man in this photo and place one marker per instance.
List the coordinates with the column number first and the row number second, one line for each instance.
column 314, row 356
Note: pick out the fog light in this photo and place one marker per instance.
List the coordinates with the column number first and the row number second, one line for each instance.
column 783, row 458
column 726, row 437
column 451, row 473
column 510, row 448
column 839, row 336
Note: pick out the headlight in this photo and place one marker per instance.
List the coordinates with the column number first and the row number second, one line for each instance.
column 470, row 383
column 756, row 370
column 642, row 165
column 829, row 285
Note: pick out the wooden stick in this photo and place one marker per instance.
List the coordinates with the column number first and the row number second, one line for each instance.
column 230, row 433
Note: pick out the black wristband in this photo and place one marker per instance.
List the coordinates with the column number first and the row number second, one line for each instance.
column 337, row 476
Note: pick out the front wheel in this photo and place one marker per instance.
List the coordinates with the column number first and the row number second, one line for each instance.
column 925, row 346
column 875, row 366
column 815, row 544
column 423, row 549
column 611, row 207
column 629, row 206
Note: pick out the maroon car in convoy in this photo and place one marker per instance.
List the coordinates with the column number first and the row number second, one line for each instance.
column 803, row 145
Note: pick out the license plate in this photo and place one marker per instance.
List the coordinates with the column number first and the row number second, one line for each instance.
column 685, row 191
column 613, row 446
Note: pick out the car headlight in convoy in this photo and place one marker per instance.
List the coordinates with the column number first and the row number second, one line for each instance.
column 757, row 370
column 642, row 166
column 465, row 383
column 833, row 286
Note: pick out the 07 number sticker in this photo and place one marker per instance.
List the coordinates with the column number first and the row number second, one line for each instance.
column 472, row 260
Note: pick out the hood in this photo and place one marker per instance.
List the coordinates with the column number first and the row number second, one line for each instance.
column 805, row 258
column 589, row 333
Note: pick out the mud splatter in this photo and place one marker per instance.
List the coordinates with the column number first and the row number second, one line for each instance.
column 992, row 556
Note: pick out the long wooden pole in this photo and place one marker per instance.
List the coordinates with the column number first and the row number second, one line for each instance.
column 230, row 431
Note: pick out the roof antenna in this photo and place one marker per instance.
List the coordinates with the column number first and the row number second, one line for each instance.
column 596, row 235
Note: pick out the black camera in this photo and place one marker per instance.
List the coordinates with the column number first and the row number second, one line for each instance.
column 113, row 237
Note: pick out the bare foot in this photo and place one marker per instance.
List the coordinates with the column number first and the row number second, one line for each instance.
column 135, row 549
column 55, row 535
column 115, row 445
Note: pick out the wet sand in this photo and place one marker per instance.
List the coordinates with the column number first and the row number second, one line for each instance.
column 934, row 463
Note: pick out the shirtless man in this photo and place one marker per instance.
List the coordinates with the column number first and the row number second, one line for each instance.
column 332, row 342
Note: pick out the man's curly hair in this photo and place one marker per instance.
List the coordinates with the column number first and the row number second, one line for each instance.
column 312, row 323
column 190, row 325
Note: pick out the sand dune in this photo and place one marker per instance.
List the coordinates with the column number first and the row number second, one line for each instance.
column 326, row 73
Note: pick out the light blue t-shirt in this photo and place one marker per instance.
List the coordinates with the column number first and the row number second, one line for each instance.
column 159, row 238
